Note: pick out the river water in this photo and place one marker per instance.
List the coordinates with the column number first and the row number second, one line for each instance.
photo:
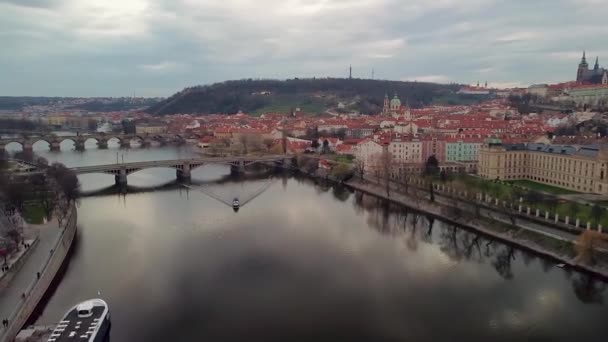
column 301, row 262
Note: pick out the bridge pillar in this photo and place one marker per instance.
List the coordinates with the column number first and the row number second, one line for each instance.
column 27, row 146
column 238, row 168
column 287, row 163
column 121, row 177
column 2, row 149
column 79, row 144
column 102, row 144
column 125, row 143
column 145, row 143
column 55, row 145
column 184, row 173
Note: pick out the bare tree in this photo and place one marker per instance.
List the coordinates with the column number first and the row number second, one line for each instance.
column 511, row 208
column 244, row 141
column 62, row 209
column 596, row 213
column 250, row 142
column 404, row 175
column 359, row 167
column 47, row 200
column 586, row 244
column 383, row 166
column 66, row 180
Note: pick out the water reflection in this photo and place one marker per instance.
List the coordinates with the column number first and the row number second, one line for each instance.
column 589, row 290
column 309, row 261
column 461, row 245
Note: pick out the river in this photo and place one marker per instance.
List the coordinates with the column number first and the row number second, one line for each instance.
column 301, row 262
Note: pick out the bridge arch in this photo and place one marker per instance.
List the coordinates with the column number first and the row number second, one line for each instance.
column 62, row 139
column 37, row 140
column 13, row 144
column 132, row 171
column 114, row 138
column 91, row 138
column 39, row 144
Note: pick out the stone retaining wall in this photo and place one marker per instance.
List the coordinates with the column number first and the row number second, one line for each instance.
column 36, row 290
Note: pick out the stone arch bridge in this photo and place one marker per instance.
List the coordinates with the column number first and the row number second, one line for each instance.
column 54, row 141
column 183, row 167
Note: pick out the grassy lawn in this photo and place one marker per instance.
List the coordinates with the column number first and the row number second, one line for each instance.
column 543, row 187
column 475, row 184
column 340, row 158
column 504, row 191
column 34, row 214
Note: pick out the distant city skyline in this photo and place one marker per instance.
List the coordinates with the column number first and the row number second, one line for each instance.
column 157, row 47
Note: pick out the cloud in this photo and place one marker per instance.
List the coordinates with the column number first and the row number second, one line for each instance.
column 145, row 43
column 518, row 37
column 164, row 66
column 485, row 70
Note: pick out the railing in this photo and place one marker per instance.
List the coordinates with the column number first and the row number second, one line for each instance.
column 147, row 164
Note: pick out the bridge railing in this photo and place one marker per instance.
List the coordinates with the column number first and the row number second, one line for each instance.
column 172, row 162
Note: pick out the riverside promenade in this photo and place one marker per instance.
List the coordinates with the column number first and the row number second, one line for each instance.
column 21, row 295
column 438, row 209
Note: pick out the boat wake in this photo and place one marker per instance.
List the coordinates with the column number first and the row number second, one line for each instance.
column 244, row 197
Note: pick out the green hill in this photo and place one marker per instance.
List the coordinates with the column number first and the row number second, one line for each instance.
column 310, row 95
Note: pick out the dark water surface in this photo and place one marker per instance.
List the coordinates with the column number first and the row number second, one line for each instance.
column 304, row 262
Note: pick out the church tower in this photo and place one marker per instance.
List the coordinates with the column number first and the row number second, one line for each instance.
column 385, row 109
column 407, row 114
column 582, row 68
column 596, row 67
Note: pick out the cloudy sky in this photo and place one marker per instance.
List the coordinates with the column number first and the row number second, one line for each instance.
column 156, row 47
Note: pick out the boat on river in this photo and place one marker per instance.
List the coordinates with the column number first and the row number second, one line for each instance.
column 88, row 321
column 235, row 203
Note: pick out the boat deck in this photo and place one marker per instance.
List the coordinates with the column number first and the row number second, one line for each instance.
column 74, row 328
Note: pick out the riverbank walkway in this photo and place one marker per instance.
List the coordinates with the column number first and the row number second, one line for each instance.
column 11, row 296
column 422, row 203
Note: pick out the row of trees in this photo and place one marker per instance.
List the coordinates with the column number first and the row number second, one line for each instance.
column 313, row 133
column 54, row 190
column 390, row 175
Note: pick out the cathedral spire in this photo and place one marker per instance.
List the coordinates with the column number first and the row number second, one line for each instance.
column 597, row 63
column 583, row 60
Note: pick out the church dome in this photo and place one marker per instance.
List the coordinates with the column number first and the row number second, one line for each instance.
column 395, row 102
